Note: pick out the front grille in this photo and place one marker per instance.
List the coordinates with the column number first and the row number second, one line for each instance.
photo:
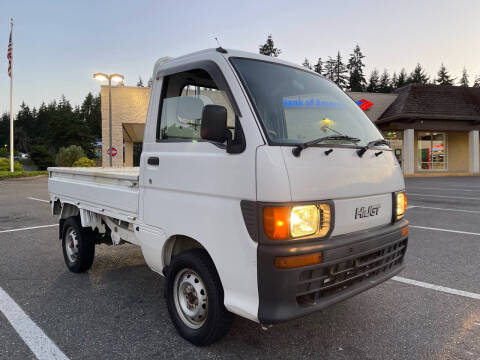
column 328, row 279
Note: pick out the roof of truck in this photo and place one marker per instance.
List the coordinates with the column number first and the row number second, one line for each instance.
column 166, row 62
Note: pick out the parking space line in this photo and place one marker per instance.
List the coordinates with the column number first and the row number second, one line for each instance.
column 28, row 228
column 437, row 287
column 46, row 201
column 38, row 342
column 445, row 230
column 444, row 196
column 444, row 209
column 443, row 189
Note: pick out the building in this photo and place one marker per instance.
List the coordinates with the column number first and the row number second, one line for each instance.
column 129, row 111
column 432, row 129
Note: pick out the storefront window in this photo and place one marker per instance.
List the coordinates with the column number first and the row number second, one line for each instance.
column 432, row 151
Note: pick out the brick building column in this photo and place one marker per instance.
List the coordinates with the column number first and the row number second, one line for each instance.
column 473, row 152
column 408, row 151
column 128, row 161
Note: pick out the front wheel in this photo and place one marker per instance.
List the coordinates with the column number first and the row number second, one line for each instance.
column 78, row 246
column 195, row 298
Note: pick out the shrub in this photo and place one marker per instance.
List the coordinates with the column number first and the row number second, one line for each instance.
column 67, row 156
column 84, row 162
column 5, row 165
column 41, row 157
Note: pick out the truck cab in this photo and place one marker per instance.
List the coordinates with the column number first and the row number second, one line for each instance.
column 263, row 190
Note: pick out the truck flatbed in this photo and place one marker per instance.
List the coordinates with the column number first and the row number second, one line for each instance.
column 113, row 190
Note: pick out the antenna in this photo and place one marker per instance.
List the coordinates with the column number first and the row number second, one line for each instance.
column 219, row 48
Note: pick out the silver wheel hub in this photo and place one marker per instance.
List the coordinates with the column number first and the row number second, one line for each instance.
column 71, row 245
column 190, row 297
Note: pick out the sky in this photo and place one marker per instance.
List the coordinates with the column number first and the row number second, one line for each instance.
column 58, row 45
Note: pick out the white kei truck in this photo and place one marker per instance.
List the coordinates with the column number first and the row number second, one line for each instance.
column 263, row 190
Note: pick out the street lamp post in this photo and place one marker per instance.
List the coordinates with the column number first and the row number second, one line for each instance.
column 117, row 78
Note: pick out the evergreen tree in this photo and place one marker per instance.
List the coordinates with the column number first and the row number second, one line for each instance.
column 306, row 64
column 384, row 84
column 330, row 68
column 24, row 128
column 41, row 125
column 269, row 48
column 476, row 83
column 340, row 72
column 464, row 78
column 139, row 82
column 443, row 77
column 373, row 81
column 4, row 130
column 394, row 81
column 90, row 113
column 418, row 76
column 66, row 128
column 355, row 68
column 402, row 78
column 318, row 67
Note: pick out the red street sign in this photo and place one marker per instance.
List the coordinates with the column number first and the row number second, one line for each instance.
column 114, row 151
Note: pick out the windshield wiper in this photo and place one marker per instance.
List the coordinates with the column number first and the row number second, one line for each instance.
column 298, row 149
column 371, row 144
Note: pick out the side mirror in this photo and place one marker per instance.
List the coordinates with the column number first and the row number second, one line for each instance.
column 214, row 124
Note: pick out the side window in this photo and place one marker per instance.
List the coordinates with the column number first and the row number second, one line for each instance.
column 183, row 97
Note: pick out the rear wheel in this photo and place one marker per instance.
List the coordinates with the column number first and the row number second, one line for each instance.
column 195, row 298
column 78, row 245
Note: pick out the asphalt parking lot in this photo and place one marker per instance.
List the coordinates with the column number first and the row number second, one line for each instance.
column 117, row 310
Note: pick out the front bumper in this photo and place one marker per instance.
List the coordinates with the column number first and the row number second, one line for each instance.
column 351, row 263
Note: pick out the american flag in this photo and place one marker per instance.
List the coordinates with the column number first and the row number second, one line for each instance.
column 9, row 55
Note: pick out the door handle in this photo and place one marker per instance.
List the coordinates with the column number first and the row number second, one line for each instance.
column 153, row 161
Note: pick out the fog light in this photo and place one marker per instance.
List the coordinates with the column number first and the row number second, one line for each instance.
column 304, row 220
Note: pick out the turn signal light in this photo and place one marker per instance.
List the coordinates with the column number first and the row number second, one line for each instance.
column 276, row 222
column 405, row 231
column 289, row 262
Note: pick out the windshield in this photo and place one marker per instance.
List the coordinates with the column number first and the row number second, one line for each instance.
column 296, row 106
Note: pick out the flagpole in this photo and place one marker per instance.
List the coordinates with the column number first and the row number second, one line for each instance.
column 11, row 104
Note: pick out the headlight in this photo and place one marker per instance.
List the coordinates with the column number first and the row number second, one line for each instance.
column 285, row 222
column 400, row 205
column 304, row 220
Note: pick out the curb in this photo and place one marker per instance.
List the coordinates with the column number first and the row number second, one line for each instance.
column 21, row 178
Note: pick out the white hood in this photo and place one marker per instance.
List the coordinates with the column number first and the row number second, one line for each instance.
column 342, row 174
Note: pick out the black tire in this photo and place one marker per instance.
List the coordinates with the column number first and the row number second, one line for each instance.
column 218, row 319
column 85, row 245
